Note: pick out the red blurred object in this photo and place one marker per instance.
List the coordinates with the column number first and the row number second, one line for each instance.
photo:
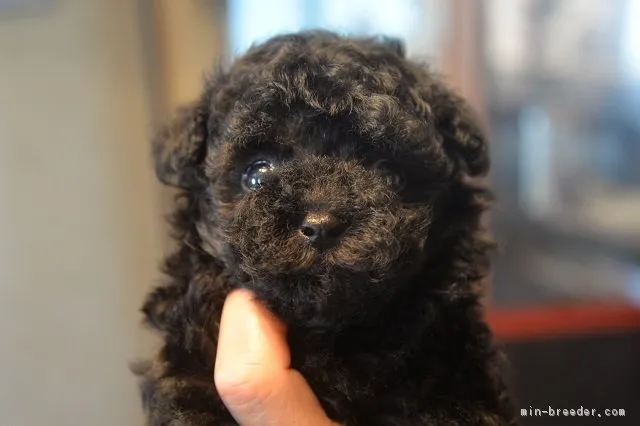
column 539, row 322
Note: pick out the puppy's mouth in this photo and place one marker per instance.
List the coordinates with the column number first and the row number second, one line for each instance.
column 324, row 277
column 321, row 242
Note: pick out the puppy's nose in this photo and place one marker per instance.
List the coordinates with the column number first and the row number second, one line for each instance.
column 321, row 227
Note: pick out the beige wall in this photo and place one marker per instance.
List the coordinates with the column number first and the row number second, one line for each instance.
column 79, row 229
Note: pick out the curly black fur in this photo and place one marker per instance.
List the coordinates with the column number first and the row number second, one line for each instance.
column 385, row 325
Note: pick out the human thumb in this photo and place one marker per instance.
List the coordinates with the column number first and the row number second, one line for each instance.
column 252, row 371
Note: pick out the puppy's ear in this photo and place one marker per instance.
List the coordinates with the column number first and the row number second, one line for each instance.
column 463, row 137
column 180, row 146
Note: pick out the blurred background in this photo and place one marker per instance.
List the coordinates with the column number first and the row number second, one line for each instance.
column 83, row 82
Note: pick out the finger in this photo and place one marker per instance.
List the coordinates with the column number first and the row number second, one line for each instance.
column 252, row 371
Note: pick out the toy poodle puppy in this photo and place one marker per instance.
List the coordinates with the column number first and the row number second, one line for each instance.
column 338, row 181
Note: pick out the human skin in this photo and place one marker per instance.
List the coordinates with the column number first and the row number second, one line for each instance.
column 252, row 370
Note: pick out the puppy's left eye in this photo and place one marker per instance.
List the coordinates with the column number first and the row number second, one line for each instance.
column 255, row 173
column 393, row 177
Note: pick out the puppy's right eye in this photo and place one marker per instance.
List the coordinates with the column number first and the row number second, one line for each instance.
column 255, row 173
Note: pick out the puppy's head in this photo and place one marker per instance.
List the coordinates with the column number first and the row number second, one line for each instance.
column 324, row 170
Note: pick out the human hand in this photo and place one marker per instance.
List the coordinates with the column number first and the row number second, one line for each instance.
column 252, row 371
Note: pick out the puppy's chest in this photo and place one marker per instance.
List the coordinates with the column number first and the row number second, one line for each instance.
column 346, row 384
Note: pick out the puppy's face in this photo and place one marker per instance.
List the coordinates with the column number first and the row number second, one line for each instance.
column 320, row 221
column 320, row 168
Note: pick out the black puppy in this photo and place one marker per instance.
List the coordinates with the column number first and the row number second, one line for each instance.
column 333, row 178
